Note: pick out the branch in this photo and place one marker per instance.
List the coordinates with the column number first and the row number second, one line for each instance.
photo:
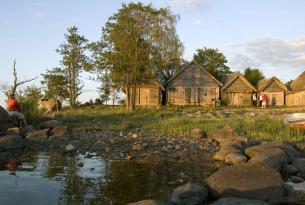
column 26, row 81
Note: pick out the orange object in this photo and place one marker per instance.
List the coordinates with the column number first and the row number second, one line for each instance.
column 13, row 105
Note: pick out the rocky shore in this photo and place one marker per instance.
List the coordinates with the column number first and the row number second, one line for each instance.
column 253, row 172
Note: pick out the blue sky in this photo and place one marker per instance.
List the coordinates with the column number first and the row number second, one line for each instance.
column 268, row 34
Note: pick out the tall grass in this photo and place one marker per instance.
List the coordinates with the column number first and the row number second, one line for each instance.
column 180, row 121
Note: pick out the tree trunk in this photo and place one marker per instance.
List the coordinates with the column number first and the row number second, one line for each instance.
column 127, row 100
column 133, row 99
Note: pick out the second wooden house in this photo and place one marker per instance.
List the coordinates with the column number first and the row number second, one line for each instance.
column 274, row 89
column 193, row 85
column 297, row 95
column 237, row 90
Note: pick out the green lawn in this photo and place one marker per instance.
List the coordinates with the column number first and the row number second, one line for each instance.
column 180, row 121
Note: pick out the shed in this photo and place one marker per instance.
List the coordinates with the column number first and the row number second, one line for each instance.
column 237, row 90
column 296, row 97
column 148, row 93
column 193, row 85
column 274, row 89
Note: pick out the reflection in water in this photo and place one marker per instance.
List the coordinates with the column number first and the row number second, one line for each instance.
column 55, row 179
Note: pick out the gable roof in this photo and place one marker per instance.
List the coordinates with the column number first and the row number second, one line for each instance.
column 190, row 63
column 150, row 83
column 234, row 76
column 299, row 83
column 263, row 84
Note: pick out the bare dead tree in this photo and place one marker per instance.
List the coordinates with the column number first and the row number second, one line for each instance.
column 15, row 81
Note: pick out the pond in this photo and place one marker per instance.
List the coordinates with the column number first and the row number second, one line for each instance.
column 51, row 178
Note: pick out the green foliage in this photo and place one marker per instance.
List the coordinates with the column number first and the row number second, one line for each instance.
column 213, row 61
column 138, row 42
column 74, row 60
column 55, row 82
column 28, row 99
column 253, row 76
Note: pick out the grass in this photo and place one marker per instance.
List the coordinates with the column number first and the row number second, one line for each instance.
column 180, row 121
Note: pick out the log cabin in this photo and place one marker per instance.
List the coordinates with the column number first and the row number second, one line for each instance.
column 193, row 85
column 148, row 93
column 296, row 97
column 274, row 89
column 237, row 90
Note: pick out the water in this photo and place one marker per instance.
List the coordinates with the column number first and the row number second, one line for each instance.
column 50, row 178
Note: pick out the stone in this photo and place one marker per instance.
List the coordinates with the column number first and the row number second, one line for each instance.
column 238, row 201
column 290, row 169
column 302, row 174
column 136, row 147
column 296, row 180
column 189, row 194
column 197, row 134
column 147, row 202
column 301, row 146
column 275, row 158
column 134, row 136
column 225, row 134
column 70, row 148
column 296, row 197
column 60, row 131
column 49, row 124
column 299, row 163
column 38, row 135
column 288, row 149
column 11, row 142
column 235, row 158
column 251, row 180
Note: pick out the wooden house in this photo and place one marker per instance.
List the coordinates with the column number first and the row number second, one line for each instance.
column 237, row 90
column 297, row 95
column 148, row 93
column 193, row 85
column 274, row 89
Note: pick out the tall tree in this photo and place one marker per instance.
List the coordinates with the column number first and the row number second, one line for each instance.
column 253, row 75
column 140, row 43
column 55, row 84
column 74, row 60
column 213, row 61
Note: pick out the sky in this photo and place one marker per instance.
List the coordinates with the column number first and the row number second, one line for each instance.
column 264, row 34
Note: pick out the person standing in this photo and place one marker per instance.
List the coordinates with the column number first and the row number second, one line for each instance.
column 254, row 100
column 264, row 101
column 260, row 99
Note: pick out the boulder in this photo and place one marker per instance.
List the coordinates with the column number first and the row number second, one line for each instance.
column 290, row 151
column 11, row 142
column 235, row 158
column 24, row 131
column 70, row 149
column 301, row 146
column 299, row 163
column 49, row 124
column 296, row 180
column 250, row 180
column 238, row 201
column 147, row 202
column 197, row 134
column 189, row 194
column 290, row 169
column 38, row 135
column 5, row 121
column 225, row 134
column 60, row 131
column 275, row 158
column 302, row 174
column 296, row 197
column 231, row 152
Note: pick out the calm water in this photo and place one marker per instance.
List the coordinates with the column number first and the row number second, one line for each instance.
column 46, row 178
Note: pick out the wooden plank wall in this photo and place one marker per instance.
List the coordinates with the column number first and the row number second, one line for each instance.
column 295, row 99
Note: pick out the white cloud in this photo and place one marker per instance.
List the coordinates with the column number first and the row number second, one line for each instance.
column 271, row 51
column 197, row 22
column 188, row 4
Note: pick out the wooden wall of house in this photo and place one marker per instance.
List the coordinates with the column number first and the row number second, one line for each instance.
column 295, row 99
column 238, row 98
column 192, row 95
column 275, row 95
column 148, row 96
column 192, row 86
column 238, row 94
